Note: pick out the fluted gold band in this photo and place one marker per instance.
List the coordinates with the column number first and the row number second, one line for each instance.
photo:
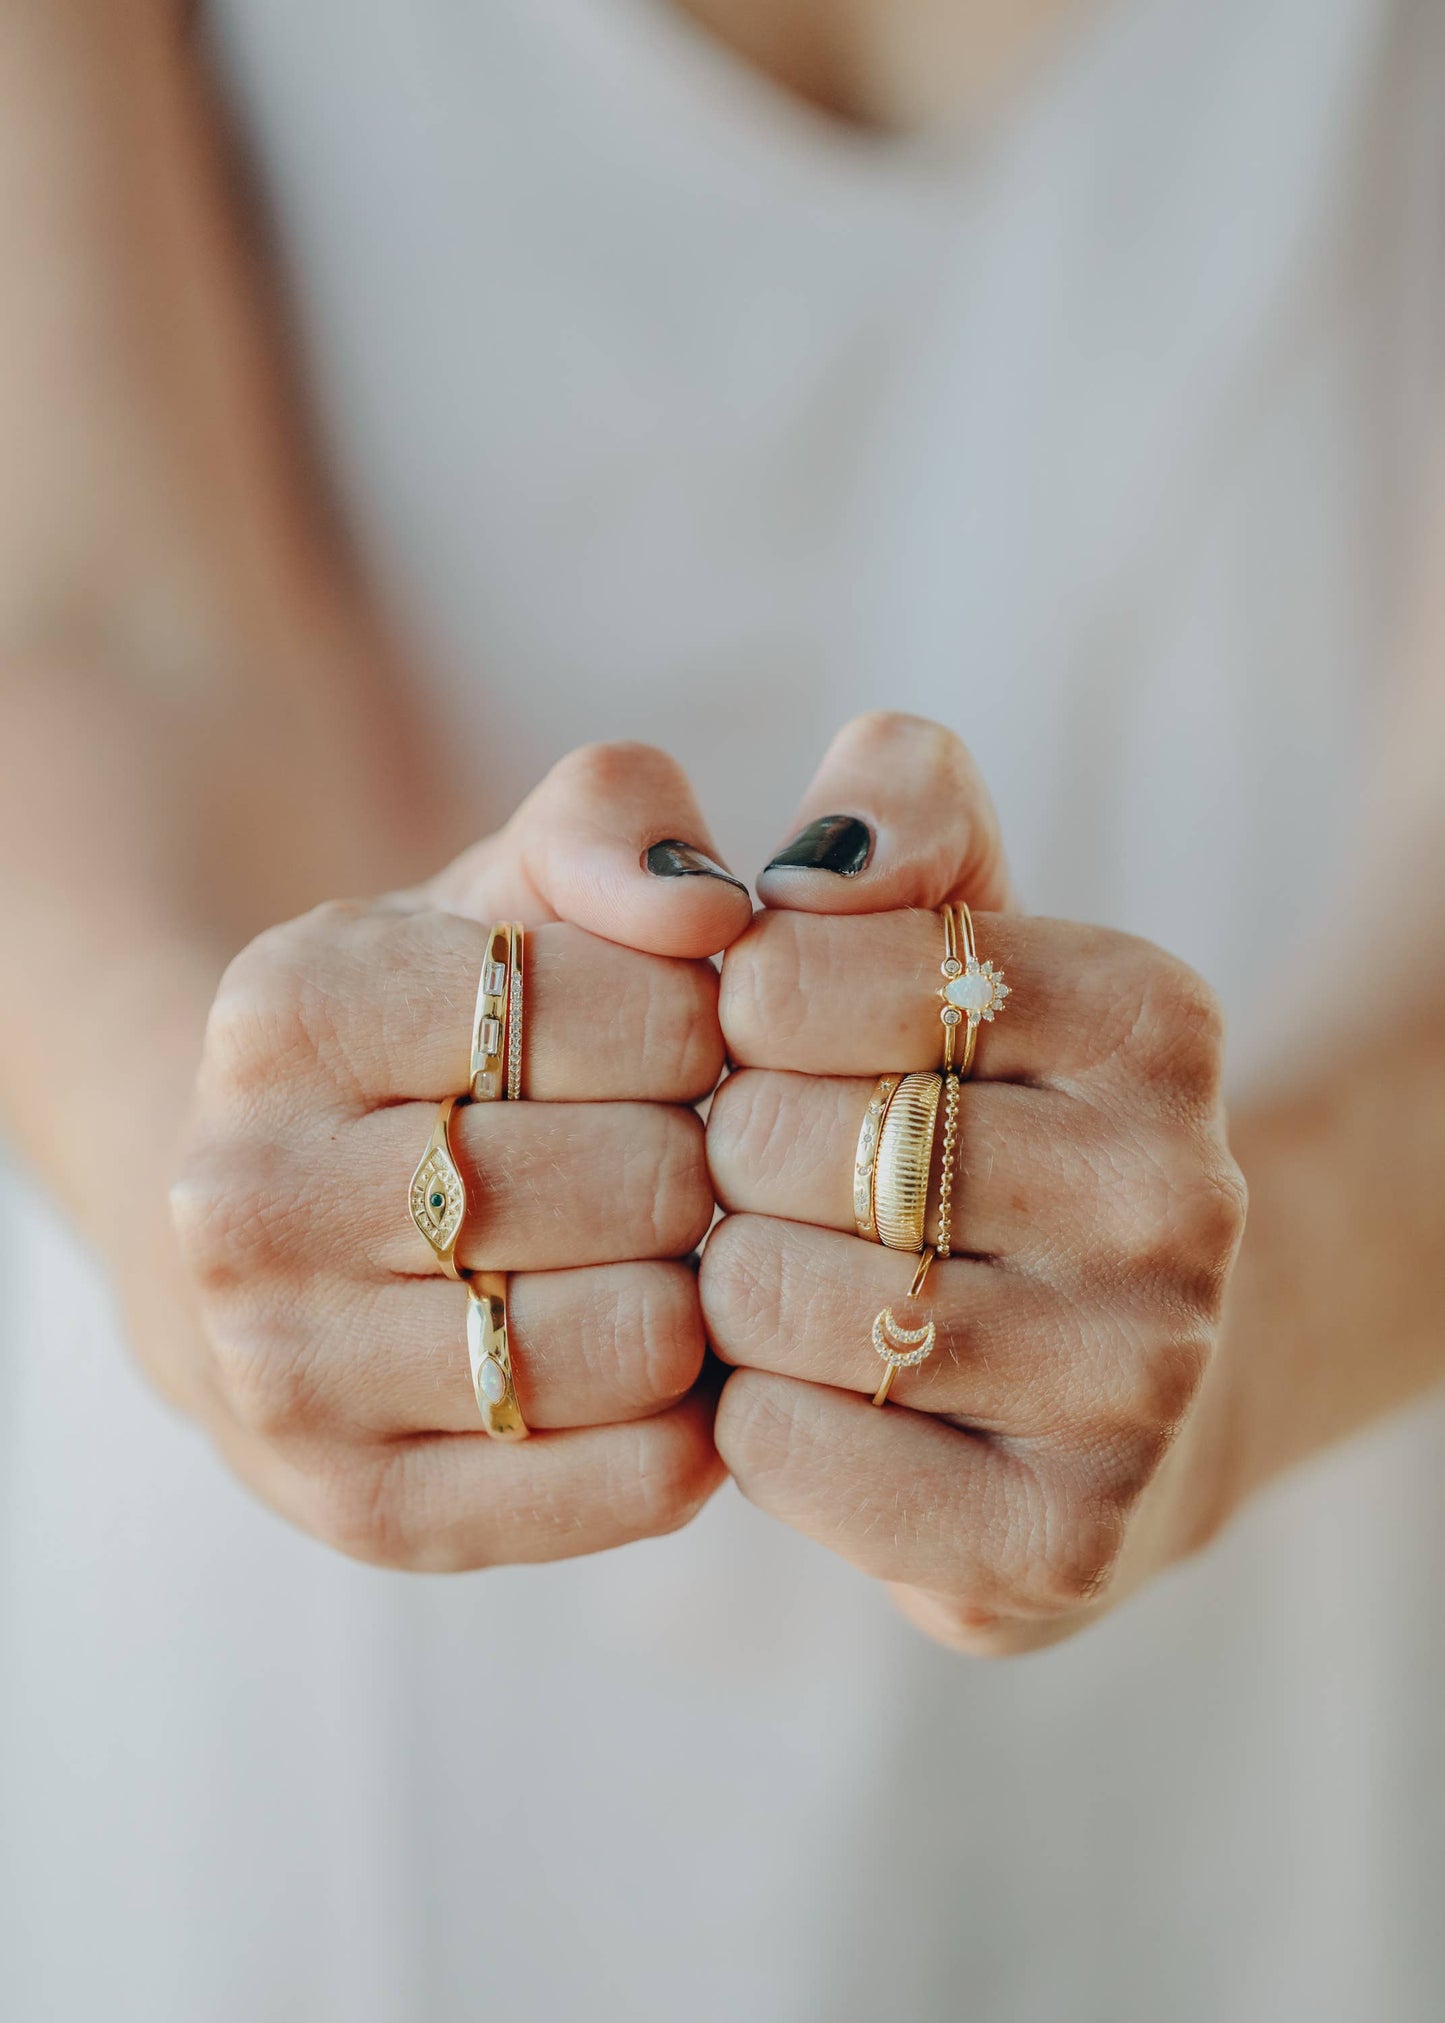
column 905, row 1155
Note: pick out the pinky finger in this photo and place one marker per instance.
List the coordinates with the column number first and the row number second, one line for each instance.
column 448, row 1502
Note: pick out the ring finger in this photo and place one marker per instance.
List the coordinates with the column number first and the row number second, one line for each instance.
column 592, row 1347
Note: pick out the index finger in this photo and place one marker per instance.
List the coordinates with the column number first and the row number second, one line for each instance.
column 852, row 995
column 377, row 1002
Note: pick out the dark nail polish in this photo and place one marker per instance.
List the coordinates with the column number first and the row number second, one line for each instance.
column 680, row 860
column 837, row 843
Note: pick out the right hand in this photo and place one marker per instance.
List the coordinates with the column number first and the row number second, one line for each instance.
column 333, row 1370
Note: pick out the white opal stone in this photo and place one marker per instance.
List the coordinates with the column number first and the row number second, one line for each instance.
column 973, row 993
column 492, row 1379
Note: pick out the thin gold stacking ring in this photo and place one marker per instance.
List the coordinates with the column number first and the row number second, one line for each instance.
column 973, row 992
column 490, row 1350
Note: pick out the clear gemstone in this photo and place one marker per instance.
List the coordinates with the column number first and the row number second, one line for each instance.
column 496, row 979
column 950, row 1016
column 491, row 1036
column 972, row 992
column 492, row 1380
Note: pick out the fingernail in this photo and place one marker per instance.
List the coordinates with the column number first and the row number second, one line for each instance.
column 679, row 860
column 837, row 843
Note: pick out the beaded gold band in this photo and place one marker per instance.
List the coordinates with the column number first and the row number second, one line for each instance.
column 905, row 1155
column 438, row 1196
column 865, row 1160
column 490, row 1351
column 952, row 1095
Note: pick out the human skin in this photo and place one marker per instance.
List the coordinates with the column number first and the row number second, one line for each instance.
column 205, row 734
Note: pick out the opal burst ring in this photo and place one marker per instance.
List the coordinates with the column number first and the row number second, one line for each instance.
column 973, row 992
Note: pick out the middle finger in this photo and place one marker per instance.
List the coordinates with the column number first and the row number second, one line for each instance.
column 1035, row 1178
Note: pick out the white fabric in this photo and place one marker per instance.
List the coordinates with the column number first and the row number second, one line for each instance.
column 665, row 410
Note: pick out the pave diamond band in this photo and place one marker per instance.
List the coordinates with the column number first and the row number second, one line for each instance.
column 865, row 1160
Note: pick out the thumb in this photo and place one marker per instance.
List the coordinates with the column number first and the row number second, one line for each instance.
column 897, row 815
column 613, row 841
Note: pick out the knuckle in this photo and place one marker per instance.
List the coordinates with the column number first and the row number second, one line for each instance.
column 1161, row 1386
column 231, row 1215
column 601, row 771
column 932, row 751
column 660, row 1476
column 675, row 1182
column 1085, row 1536
column 271, row 1016
column 1181, row 1219
column 359, row 1506
column 678, row 1021
column 738, row 1285
column 747, row 1139
column 762, row 999
column 262, row 1376
column 1176, row 1035
column 656, row 1332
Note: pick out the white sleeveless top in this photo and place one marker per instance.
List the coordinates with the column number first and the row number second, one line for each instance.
column 664, row 409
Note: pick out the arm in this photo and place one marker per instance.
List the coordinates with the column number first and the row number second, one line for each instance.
column 200, row 739
column 1335, row 1313
column 199, row 731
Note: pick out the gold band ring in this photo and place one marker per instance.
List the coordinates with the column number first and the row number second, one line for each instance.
column 865, row 1160
column 516, row 945
column 489, row 1021
column 905, row 1155
column 973, row 992
column 438, row 1196
column 490, row 1350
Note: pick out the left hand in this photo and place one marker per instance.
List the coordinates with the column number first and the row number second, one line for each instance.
column 1097, row 1214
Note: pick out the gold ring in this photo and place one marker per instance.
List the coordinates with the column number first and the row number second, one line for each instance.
column 952, row 1095
column 514, row 1012
column 438, row 1196
column 905, row 1155
column 491, row 1356
column 973, row 992
column 489, row 1021
column 865, row 1160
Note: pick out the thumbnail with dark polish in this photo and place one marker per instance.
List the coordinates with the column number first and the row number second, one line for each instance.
column 679, row 860
column 837, row 843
